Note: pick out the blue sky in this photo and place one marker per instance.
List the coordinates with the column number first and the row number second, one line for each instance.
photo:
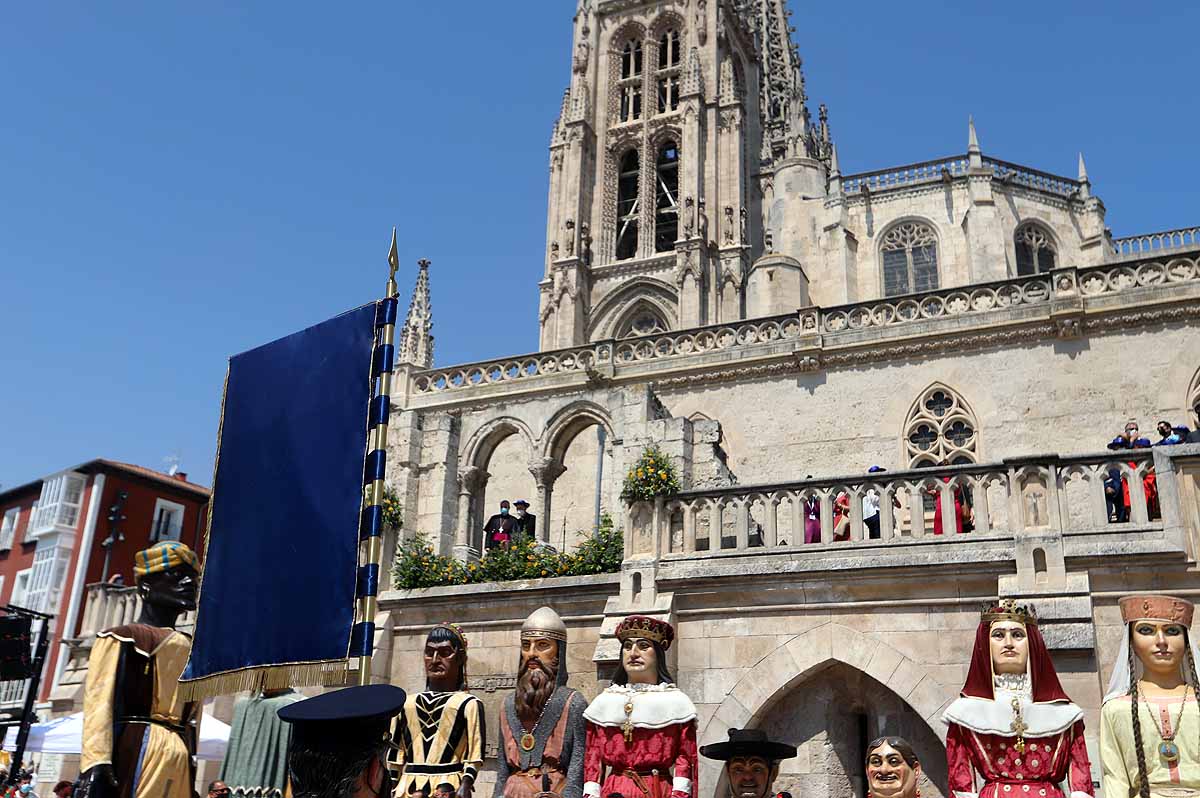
column 180, row 182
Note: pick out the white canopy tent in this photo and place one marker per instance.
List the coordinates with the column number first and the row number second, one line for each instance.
column 65, row 736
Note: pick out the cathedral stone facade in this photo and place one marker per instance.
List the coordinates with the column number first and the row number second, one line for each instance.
column 715, row 286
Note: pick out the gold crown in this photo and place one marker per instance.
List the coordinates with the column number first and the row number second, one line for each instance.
column 649, row 628
column 1009, row 610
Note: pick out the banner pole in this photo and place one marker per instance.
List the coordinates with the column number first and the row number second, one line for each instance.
column 370, row 533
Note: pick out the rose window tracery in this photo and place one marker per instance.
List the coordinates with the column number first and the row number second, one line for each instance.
column 940, row 430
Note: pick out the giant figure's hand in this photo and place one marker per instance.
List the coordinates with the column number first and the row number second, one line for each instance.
column 465, row 789
column 98, row 781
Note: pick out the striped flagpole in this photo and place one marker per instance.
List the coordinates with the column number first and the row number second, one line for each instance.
column 370, row 531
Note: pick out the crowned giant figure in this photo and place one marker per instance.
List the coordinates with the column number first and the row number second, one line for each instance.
column 542, row 728
column 139, row 737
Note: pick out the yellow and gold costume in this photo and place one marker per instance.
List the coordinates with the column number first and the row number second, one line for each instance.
column 133, row 718
column 440, row 739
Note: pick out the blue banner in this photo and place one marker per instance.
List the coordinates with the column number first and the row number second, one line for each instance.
column 277, row 590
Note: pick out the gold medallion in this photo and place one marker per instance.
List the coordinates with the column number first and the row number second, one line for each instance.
column 527, row 742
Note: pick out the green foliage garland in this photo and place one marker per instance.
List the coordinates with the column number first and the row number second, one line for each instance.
column 651, row 476
column 418, row 566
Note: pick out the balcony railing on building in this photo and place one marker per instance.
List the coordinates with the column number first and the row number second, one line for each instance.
column 953, row 505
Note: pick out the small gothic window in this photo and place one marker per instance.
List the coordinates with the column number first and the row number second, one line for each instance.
column 631, row 60
column 668, row 50
column 1035, row 250
column 909, row 259
column 644, row 322
column 631, row 102
column 627, row 205
column 666, row 205
column 940, row 430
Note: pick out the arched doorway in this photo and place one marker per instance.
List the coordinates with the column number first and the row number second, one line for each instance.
column 830, row 717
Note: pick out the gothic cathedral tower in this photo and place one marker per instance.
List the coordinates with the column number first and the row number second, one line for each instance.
column 680, row 119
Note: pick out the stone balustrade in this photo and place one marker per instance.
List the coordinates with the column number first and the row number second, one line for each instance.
column 839, row 325
column 1007, row 172
column 901, row 176
column 997, row 501
column 1153, row 243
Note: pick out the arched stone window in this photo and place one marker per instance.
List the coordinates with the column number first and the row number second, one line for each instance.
column 1036, row 252
column 631, row 82
column 631, row 60
column 666, row 201
column 668, row 71
column 910, row 259
column 1194, row 396
column 940, row 430
column 627, row 205
column 643, row 320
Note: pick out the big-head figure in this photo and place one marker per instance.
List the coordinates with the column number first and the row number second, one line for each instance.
column 139, row 737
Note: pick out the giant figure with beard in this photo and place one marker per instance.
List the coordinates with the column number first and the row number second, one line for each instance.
column 542, row 729
column 139, row 738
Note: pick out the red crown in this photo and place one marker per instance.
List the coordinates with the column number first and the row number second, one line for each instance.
column 1157, row 608
column 649, row 628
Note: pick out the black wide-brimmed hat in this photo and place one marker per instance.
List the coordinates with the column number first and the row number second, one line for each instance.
column 748, row 742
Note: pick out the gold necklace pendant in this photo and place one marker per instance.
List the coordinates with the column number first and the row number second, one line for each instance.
column 1169, row 751
column 527, row 742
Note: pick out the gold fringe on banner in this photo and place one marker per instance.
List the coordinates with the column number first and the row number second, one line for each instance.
column 271, row 677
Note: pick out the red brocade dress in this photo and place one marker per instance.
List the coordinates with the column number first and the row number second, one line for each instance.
column 658, row 760
column 982, row 756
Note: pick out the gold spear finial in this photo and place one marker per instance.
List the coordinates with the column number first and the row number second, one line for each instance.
column 393, row 264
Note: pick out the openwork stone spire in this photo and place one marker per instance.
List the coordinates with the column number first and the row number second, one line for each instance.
column 416, row 339
column 783, row 103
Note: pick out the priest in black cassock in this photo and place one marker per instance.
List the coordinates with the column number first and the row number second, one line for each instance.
column 500, row 528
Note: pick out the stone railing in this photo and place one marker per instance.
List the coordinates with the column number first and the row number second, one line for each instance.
column 760, row 335
column 1153, row 243
column 952, row 505
column 1032, row 178
column 910, row 174
column 107, row 605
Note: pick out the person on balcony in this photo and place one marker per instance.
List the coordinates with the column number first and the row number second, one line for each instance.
column 139, row 737
column 812, row 518
column 526, row 521
column 1169, row 435
column 962, row 508
column 499, row 529
column 1150, row 718
column 1013, row 733
column 841, row 516
column 870, row 506
column 641, row 731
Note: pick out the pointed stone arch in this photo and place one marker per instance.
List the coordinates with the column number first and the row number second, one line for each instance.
column 940, row 426
column 799, row 658
column 610, row 311
column 566, row 424
column 1192, row 400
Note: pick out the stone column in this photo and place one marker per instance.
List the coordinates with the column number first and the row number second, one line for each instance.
column 545, row 472
column 471, row 481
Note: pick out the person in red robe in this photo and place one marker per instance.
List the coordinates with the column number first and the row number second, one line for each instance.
column 1014, row 733
column 641, row 731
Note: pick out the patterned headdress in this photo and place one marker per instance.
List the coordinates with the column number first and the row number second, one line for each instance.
column 1167, row 609
column 163, row 557
column 455, row 630
column 644, row 626
column 1009, row 610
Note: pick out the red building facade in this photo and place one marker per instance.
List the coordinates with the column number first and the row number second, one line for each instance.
column 80, row 526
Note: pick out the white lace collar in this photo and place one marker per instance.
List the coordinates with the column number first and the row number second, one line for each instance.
column 654, row 706
column 996, row 717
